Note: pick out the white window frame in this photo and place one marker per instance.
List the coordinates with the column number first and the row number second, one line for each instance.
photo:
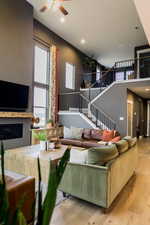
column 42, row 85
column 70, row 78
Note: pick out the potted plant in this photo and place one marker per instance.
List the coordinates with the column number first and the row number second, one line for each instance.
column 50, row 123
column 42, row 137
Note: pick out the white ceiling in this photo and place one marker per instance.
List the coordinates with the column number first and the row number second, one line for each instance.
column 108, row 26
column 143, row 92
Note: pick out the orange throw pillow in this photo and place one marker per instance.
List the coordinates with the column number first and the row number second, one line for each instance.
column 108, row 135
column 116, row 139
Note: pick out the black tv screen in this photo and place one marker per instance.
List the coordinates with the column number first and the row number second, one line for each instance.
column 13, row 96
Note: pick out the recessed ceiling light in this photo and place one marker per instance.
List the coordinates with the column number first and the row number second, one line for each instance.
column 147, row 89
column 83, row 41
column 62, row 19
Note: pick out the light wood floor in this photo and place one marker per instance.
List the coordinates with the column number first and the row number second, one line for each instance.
column 132, row 207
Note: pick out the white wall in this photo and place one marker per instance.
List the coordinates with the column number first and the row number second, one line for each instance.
column 143, row 9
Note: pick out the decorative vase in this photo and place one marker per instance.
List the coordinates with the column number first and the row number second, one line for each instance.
column 44, row 145
column 51, row 145
column 49, row 125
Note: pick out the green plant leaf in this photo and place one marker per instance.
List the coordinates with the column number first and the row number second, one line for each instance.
column 2, row 152
column 39, row 214
column 56, row 173
column 41, row 136
column 50, row 199
column 18, row 217
column 4, row 205
column 62, row 165
column 21, row 218
column 50, row 121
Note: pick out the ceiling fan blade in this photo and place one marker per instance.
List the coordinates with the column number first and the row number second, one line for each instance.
column 44, row 8
column 63, row 10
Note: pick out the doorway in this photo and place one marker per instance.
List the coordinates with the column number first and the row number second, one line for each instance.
column 129, row 118
column 148, row 118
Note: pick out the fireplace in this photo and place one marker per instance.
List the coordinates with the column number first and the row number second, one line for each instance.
column 15, row 129
column 11, row 131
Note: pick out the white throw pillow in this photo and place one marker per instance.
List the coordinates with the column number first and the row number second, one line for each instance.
column 76, row 132
column 102, row 142
column 67, row 132
column 77, row 156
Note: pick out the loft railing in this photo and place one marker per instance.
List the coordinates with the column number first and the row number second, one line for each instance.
column 125, row 64
column 122, row 70
column 130, row 67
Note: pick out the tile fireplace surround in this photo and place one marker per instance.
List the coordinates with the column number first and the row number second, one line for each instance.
column 22, row 119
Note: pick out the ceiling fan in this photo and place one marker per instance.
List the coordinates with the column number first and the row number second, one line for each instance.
column 55, row 4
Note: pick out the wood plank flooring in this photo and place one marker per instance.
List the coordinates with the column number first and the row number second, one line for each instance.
column 132, row 206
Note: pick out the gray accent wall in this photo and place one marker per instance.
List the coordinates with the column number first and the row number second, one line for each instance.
column 93, row 92
column 114, row 102
column 16, row 54
column 66, row 53
column 16, row 42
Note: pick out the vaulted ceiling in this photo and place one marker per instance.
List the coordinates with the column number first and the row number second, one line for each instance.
column 108, row 26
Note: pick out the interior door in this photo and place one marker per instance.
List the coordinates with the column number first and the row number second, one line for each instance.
column 148, row 119
column 130, row 118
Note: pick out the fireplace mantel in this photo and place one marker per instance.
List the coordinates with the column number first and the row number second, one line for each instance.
column 26, row 115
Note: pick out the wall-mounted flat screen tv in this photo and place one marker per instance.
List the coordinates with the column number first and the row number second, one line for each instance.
column 13, row 97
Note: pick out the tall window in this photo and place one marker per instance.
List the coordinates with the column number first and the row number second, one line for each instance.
column 41, row 82
column 70, row 76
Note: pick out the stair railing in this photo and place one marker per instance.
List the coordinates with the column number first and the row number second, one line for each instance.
column 102, row 120
column 97, row 115
column 103, row 81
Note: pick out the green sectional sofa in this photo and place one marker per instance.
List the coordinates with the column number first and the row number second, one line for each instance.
column 100, row 183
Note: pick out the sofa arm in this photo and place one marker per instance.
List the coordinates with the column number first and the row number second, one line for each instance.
column 19, row 189
column 121, row 170
column 87, row 182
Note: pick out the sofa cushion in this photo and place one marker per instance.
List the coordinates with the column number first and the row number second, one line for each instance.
column 73, row 133
column 108, row 135
column 67, row 132
column 86, row 133
column 76, row 132
column 74, row 142
column 122, row 146
column 131, row 141
column 116, row 139
column 96, row 134
column 90, row 143
column 103, row 154
column 78, row 156
column 103, row 143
